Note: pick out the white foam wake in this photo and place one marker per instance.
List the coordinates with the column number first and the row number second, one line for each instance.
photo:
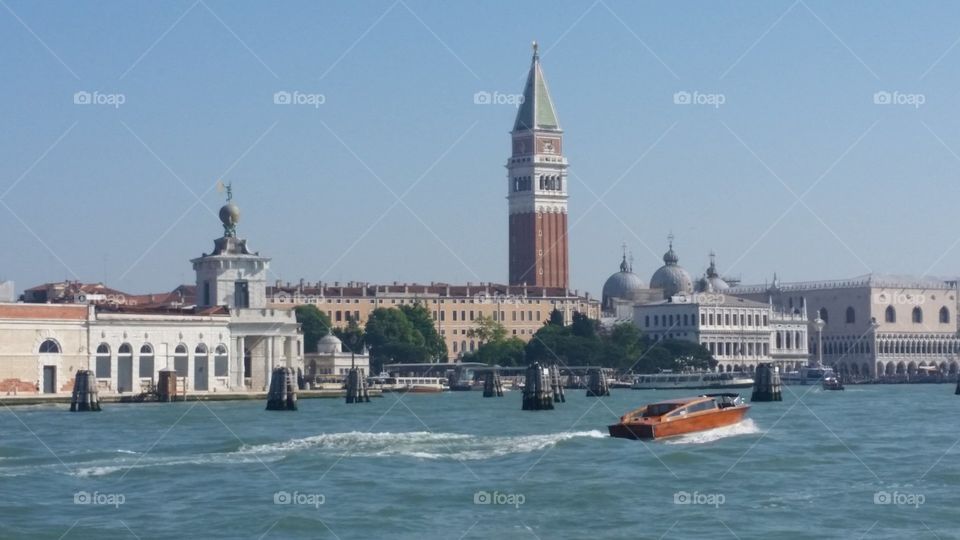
column 419, row 444
column 744, row 427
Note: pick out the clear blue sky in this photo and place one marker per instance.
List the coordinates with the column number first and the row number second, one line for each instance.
column 110, row 193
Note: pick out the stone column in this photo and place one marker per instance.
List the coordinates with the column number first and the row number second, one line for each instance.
column 239, row 354
column 268, row 358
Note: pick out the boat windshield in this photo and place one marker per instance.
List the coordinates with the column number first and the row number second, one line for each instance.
column 659, row 409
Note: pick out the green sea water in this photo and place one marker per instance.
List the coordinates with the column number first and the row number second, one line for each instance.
column 869, row 462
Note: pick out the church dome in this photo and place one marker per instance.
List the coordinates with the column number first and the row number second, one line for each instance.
column 671, row 277
column 329, row 344
column 624, row 285
column 716, row 282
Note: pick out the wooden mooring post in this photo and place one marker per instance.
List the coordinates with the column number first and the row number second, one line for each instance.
column 537, row 394
column 556, row 385
column 597, row 383
column 167, row 385
column 766, row 383
column 357, row 391
column 283, row 390
column 492, row 386
column 85, row 396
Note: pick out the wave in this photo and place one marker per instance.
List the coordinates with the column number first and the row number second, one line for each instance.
column 420, row 444
column 417, row 444
column 745, row 427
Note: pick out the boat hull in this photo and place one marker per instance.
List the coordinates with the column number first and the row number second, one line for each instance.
column 680, row 426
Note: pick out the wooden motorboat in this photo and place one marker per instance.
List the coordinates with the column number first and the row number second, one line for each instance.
column 680, row 416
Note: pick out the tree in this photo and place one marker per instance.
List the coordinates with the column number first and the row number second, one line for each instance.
column 688, row 355
column 352, row 336
column 314, row 323
column 487, row 330
column 556, row 318
column 422, row 321
column 583, row 325
column 505, row 352
column 393, row 338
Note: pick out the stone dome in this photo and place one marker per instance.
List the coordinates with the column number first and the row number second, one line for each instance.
column 329, row 344
column 672, row 278
column 624, row 285
column 713, row 277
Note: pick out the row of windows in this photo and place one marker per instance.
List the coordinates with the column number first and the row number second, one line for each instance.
column 728, row 348
column 480, row 299
column 789, row 340
column 890, row 315
column 103, row 363
column 706, row 319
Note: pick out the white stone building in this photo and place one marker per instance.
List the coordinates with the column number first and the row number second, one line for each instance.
column 331, row 363
column 229, row 341
column 876, row 325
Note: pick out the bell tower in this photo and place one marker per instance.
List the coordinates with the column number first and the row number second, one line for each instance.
column 537, row 189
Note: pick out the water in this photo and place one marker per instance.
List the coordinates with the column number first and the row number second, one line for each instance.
column 412, row 467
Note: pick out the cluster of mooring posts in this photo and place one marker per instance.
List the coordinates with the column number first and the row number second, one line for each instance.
column 357, row 391
column 85, row 396
column 766, row 383
column 542, row 388
column 492, row 386
column 283, row 390
column 957, row 392
column 597, row 383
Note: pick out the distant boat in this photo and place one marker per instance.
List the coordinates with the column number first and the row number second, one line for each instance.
column 680, row 416
column 417, row 385
column 807, row 375
column 692, row 381
column 832, row 383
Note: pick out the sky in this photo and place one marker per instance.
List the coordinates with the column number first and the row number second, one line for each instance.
column 820, row 139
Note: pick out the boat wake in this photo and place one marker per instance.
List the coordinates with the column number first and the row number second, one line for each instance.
column 745, row 427
column 419, row 444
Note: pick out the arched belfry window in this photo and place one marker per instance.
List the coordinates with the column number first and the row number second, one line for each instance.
column 890, row 315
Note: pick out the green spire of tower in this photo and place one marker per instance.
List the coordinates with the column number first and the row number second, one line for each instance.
column 536, row 111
